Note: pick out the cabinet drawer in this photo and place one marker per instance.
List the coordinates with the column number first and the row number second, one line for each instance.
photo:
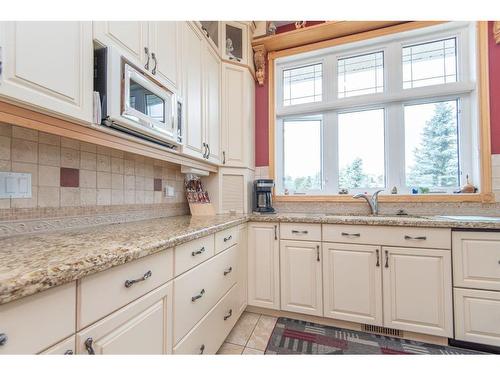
column 476, row 260
column 193, row 253
column 209, row 334
column 37, row 322
column 477, row 316
column 435, row 238
column 105, row 292
column 66, row 346
column 300, row 231
column 142, row 327
column 198, row 290
column 226, row 238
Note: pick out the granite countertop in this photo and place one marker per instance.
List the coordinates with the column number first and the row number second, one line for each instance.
column 35, row 262
column 31, row 263
column 463, row 222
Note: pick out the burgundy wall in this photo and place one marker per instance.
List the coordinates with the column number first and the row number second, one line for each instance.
column 494, row 57
column 262, row 110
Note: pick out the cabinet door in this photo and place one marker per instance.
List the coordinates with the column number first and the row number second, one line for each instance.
column 142, row 327
column 477, row 316
column 234, row 114
column 192, row 90
column 417, row 290
column 263, row 265
column 301, row 281
column 66, row 347
column 211, row 73
column 48, row 65
column 242, row 268
column 130, row 37
column 235, row 42
column 164, row 43
column 352, row 283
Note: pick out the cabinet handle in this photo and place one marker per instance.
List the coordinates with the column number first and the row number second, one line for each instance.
column 229, row 314
column 228, row 238
column 153, row 56
column 378, row 258
column 146, row 51
column 208, row 154
column 198, row 296
column 129, row 283
column 299, row 231
column 275, row 232
column 317, row 253
column 88, row 346
column 386, row 259
column 229, row 270
column 69, row 352
column 204, row 29
column 204, row 150
column 419, row 238
column 234, row 58
column 223, row 157
column 202, row 348
column 3, row 339
column 350, row 234
column 195, row 253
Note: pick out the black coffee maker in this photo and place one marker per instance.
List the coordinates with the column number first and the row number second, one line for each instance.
column 263, row 195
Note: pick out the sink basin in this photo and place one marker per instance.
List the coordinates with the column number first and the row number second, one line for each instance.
column 470, row 218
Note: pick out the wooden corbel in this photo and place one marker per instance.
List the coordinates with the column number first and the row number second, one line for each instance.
column 259, row 58
column 496, row 31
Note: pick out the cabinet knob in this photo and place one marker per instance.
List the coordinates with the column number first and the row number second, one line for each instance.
column 3, row 339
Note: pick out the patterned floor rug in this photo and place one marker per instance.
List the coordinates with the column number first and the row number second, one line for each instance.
column 292, row 336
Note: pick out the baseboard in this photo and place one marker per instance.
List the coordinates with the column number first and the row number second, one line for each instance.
column 430, row 339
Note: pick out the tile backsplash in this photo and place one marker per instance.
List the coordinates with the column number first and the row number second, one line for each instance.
column 70, row 177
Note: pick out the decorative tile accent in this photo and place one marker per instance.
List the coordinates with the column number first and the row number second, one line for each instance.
column 70, row 177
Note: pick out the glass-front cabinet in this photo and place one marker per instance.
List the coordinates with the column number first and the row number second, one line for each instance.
column 211, row 30
column 235, row 42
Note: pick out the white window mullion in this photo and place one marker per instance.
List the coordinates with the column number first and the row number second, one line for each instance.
column 330, row 152
column 395, row 148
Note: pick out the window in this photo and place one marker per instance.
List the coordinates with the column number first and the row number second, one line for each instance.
column 430, row 63
column 395, row 113
column 431, row 145
column 360, row 75
column 302, row 155
column 302, row 85
column 361, row 149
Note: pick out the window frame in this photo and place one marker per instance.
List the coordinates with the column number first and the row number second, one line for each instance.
column 392, row 100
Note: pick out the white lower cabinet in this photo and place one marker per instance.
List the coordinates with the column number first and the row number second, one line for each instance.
column 301, row 281
column 263, row 265
column 352, row 283
column 207, row 336
column 418, row 290
column 242, row 268
column 142, row 327
column 66, row 347
column 477, row 316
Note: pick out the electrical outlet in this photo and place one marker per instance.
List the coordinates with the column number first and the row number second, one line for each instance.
column 169, row 191
column 15, row 185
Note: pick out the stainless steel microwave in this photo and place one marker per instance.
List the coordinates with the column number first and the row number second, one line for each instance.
column 134, row 102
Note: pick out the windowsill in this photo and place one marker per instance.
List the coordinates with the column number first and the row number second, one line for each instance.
column 397, row 198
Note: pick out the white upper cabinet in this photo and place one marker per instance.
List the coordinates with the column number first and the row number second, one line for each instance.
column 237, row 129
column 192, row 90
column 352, row 283
column 48, row 65
column 235, row 42
column 417, row 290
column 211, row 30
column 201, row 90
column 212, row 65
column 164, row 44
column 131, row 37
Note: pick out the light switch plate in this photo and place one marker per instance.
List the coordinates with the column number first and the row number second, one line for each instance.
column 15, row 185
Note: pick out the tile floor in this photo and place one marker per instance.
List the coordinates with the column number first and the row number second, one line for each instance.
column 250, row 335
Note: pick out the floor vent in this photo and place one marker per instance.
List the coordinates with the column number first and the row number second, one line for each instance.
column 382, row 331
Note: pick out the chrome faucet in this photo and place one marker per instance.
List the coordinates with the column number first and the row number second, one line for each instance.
column 372, row 201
